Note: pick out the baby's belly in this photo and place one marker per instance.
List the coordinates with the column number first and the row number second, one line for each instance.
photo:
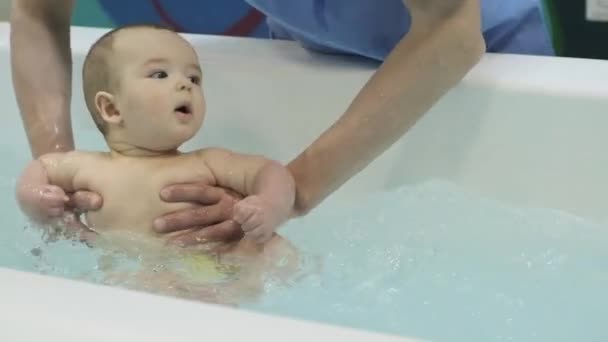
column 132, row 215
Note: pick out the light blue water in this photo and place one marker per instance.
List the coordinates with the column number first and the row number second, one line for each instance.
column 429, row 260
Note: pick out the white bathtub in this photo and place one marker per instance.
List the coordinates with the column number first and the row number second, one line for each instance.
column 524, row 130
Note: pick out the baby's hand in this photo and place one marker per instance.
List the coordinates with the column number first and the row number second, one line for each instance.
column 257, row 218
column 42, row 202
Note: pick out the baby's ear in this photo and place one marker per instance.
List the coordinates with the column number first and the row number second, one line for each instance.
column 106, row 106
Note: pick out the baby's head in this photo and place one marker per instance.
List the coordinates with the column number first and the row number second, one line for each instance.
column 142, row 85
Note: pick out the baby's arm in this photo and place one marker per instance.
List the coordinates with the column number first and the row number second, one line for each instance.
column 42, row 187
column 268, row 187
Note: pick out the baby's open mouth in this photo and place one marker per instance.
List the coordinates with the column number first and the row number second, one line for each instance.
column 184, row 109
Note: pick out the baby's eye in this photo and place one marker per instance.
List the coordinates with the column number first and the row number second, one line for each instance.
column 195, row 80
column 159, row 74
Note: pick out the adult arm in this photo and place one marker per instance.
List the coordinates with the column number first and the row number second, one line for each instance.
column 41, row 67
column 443, row 44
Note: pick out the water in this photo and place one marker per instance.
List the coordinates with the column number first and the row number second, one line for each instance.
column 436, row 262
column 429, row 260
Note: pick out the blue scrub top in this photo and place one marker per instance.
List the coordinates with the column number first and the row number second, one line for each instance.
column 371, row 28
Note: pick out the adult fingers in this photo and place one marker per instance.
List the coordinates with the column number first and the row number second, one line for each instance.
column 224, row 231
column 201, row 216
column 195, row 192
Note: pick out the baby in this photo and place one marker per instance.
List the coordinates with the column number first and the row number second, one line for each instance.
column 142, row 85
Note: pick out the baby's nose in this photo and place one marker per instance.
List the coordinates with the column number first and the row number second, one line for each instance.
column 183, row 85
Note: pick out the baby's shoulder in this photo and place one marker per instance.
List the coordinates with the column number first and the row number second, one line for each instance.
column 86, row 166
column 73, row 159
column 93, row 158
column 210, row 153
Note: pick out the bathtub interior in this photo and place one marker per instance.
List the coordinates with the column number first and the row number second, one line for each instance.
column 523, row 132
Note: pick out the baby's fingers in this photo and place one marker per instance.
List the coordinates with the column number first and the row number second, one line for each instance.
column 242, row 213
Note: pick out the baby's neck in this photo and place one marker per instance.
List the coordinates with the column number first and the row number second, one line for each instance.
column 127, row 150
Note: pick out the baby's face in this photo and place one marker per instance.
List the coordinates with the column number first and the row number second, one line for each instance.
column 160, row 97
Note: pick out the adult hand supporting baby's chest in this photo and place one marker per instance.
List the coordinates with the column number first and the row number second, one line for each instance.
column 211, row 219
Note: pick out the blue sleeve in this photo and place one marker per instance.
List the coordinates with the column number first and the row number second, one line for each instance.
column 371, row 28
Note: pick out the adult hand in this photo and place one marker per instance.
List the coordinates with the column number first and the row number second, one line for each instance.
column 210, row 221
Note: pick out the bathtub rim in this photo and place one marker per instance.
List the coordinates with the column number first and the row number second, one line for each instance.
column 89, row 310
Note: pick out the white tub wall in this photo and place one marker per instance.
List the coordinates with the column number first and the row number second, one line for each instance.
column 529, row 130
column 541, row 146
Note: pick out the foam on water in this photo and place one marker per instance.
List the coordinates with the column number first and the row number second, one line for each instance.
column 429, row 260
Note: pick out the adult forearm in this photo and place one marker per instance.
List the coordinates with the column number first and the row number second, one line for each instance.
column 41, row 70
column 431, row 59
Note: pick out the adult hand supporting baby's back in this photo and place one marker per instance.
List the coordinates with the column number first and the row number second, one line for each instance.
column 211, row 221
